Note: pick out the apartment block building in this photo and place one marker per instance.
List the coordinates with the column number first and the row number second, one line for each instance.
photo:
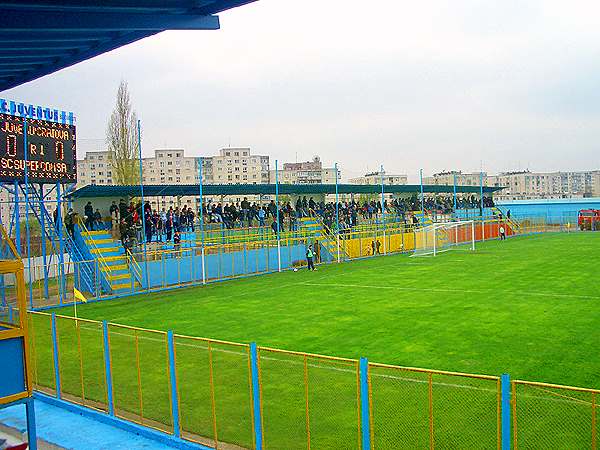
column 462, row 178
column 238, row 166
column 375, row 178
column 307, row 172
column 526, row 185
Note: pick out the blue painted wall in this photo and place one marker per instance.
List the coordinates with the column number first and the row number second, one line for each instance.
column 553, row 210
column 188, row 268
column 12, row 374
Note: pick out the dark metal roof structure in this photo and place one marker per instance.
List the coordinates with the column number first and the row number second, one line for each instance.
column 39, row 37
column 153, row 190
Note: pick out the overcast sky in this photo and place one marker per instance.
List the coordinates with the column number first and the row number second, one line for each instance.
column 441, row 85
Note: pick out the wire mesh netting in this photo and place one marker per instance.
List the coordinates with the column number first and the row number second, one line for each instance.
column 420, row 409
column 194, row 381
column 92, row 364
column 333, row 403
column 232, row 393
column 140, row 373
column 284, row 395
column 40, row 344
column 305, row 400
column 81, row 361
column 9, row 307
column 553, row 417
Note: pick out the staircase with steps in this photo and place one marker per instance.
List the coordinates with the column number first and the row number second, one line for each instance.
column 313, row 226
column 514, row 224
column 86, row 278
column 112, row 260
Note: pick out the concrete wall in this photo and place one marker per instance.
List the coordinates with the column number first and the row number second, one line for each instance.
column 188, row 268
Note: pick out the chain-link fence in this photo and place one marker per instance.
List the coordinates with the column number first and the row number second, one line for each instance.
column 309, row 401
column 229, row 395
column 426, row 409
column 547, row 416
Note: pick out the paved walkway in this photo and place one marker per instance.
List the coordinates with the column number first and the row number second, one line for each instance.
column 65, row 429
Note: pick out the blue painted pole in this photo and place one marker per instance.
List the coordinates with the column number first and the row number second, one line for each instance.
column 505, row 412
column 55, row 356
column 44, row 250
column 17, row 215
column 482, row 210
column 108, row 370
column 383, row 209
column 422, row 193
column 481, row 191
column 337, row 214
column 277, row 208
column 454, row 197
column 258, row 431
column 174, row 388
column 201, row 213
column 139, row 133
column 27, row 228
column 61, row 257
column 365, row 415
column 31, row 429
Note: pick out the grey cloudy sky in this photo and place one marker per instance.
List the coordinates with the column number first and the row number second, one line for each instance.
column 441, row 84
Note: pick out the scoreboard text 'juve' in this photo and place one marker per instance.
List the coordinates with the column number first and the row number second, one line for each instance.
column 51, row 155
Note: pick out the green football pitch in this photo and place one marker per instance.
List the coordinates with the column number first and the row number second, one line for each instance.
column 529, row 306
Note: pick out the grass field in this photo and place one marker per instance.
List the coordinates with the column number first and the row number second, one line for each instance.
column 528, row 306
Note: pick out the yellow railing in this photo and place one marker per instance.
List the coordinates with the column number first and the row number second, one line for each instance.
column 99, row 258
column 133, row 263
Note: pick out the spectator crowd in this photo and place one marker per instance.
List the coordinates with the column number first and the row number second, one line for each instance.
column 166, row 225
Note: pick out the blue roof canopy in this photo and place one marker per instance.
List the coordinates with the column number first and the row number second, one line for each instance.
column 39, row 37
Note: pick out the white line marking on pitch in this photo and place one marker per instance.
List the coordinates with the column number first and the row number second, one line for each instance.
column 469, row 291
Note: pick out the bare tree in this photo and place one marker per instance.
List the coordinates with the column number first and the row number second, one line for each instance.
column 122, row 139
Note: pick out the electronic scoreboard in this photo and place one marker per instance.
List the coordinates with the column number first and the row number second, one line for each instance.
column 51, row 154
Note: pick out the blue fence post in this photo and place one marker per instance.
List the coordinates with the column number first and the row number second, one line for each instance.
column 505, row 412
column 173, row 380
column 31, row 431
column 108, row 370
column 365, row 415
column 256, row 396
column 55, row 355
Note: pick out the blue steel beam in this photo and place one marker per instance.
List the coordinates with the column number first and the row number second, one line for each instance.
column 16, row 21
column 83, row 29
column 127, row 6
column 69, row 60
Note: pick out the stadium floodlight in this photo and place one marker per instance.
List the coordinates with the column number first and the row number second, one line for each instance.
column 440, row 237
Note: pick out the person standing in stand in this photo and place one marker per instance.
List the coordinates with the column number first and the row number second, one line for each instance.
column 114, row 219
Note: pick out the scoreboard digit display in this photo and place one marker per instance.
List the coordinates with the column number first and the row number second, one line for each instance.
column 51, row 155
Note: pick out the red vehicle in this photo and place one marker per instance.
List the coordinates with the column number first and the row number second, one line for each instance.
column 589, row 219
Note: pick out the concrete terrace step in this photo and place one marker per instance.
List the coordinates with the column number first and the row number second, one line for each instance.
column 100, row 240
column 124, row 286
column 115, row 268
column 120, row 276
column 97, row 233
column 103, row 250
